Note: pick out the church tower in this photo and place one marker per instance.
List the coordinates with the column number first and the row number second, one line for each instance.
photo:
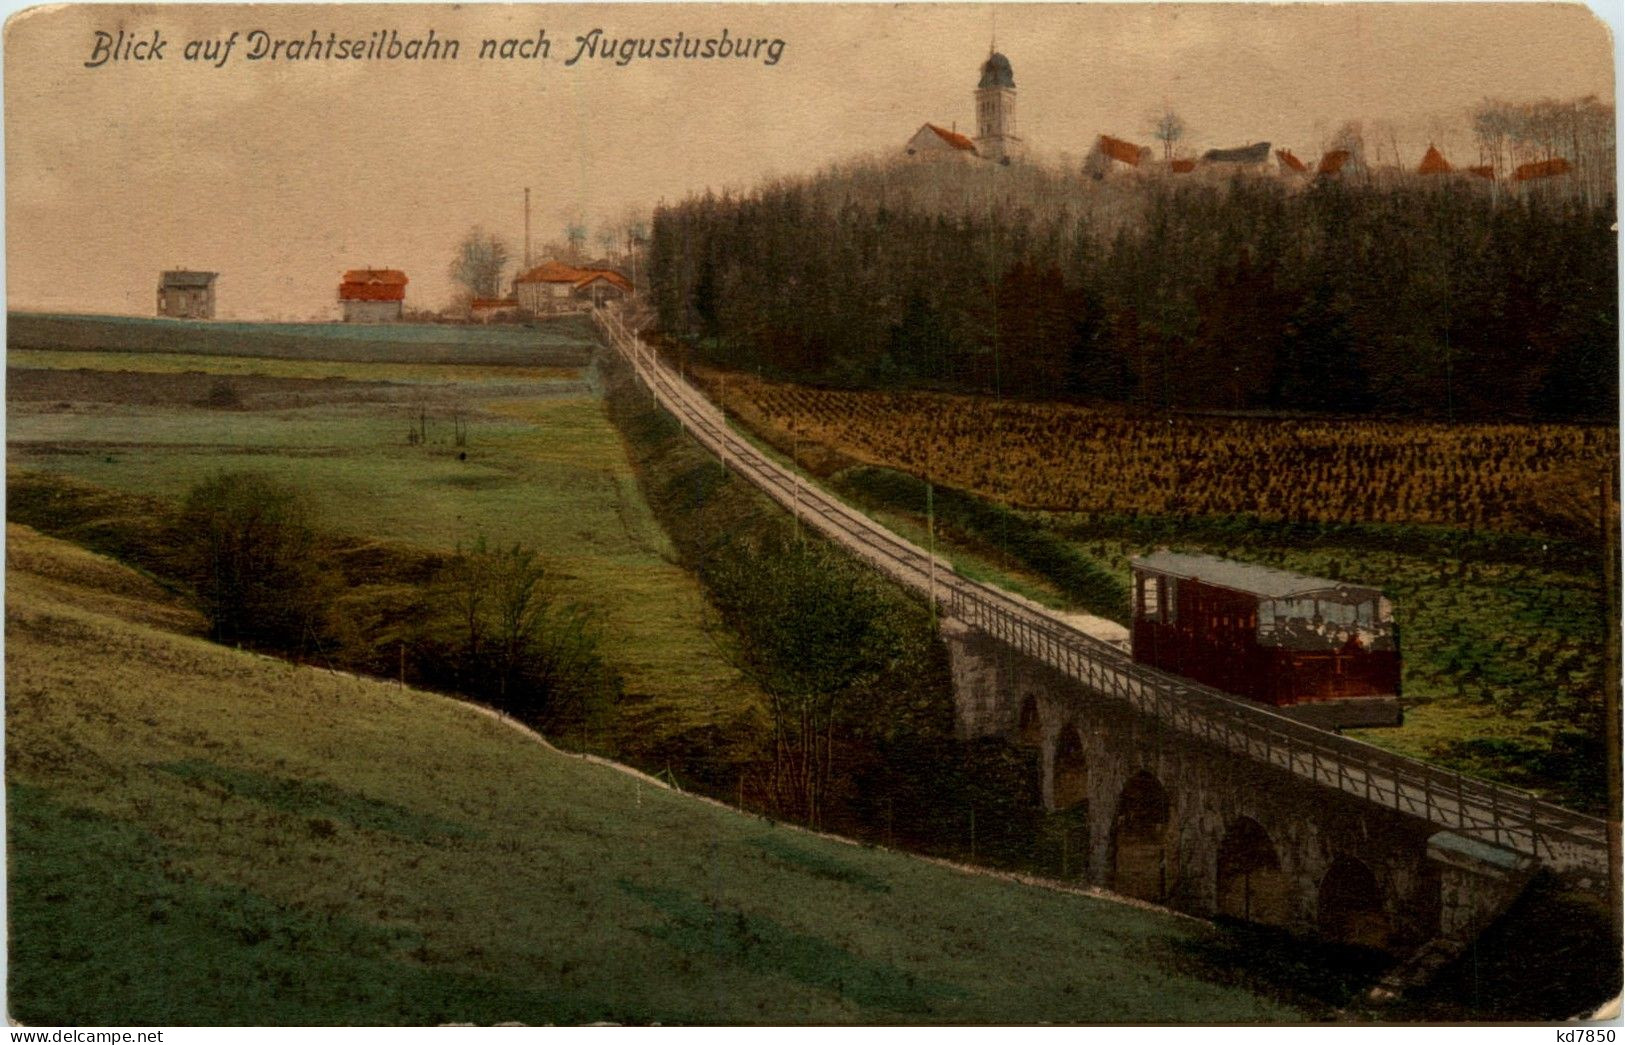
column 996, row 137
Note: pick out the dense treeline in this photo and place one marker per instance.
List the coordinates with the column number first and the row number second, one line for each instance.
column 1430, row 297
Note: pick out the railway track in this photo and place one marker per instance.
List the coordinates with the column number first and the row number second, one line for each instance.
column 1500, row 815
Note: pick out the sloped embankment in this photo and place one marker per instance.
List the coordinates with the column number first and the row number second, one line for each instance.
column 199, row 835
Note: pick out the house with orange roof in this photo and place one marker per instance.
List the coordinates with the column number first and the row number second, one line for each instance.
column 373, row 295
column 601, row 285
column 483, row 310
column 1332, row 164
column 546, row 287
column 1433, row 162
column 1289, row 163
column 553, row 285
column 1115, row 155
column 1542, row 169
column 931, row 142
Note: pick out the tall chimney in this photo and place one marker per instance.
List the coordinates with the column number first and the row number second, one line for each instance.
column 527, row 228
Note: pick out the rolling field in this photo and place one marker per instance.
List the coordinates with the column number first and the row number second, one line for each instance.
column 199, row 835
column 1065, row 458
column 540, row 464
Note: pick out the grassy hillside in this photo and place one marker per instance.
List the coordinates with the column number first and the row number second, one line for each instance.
column 199, row 835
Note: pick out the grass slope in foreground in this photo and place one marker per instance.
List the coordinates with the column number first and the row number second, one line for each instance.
column 199, row 835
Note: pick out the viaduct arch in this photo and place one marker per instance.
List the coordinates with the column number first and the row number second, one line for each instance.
column 1165, row 817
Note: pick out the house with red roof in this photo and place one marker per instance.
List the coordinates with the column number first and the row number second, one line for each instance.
column 1114, row 155
column 1542, row 169
column 1289, row 163
column 1433, row 162
column 553, row 285
column 483, row 310
column 373, row 295
column 1332, row 164
column 931, row 142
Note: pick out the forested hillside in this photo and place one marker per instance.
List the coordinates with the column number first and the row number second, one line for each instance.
column 1408, row 296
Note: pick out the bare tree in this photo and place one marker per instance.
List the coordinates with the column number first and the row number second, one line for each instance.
column 610, row 241
column 1579, row 130
column 1350, row 138
column 480, row 261
column 577, row 236
column 1168, row 128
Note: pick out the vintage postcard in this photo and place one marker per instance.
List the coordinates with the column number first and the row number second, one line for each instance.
column 823, row 514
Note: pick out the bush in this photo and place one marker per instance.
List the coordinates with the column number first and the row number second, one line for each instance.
column 223, row 395
column 497, row 630
column 247, row 547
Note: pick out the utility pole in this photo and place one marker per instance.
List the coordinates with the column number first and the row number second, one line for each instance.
column 722, row 414
column 527, row 228
column 931, row 544
column 1608, row 520
column 930, row 532
column 795, row 478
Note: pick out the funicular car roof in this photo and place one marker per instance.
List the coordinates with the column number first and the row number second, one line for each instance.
column 1264, row 582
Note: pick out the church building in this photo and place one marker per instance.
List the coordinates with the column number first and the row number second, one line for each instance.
column 996, row 137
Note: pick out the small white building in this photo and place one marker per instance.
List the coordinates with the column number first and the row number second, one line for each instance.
column 931, row 142
column 183, row 294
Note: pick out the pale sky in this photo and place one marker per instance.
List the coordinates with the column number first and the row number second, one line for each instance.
column 280, row 175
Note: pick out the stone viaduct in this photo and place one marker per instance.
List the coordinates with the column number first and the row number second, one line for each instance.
column 1162, row 816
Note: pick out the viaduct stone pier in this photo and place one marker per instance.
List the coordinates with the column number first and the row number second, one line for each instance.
column 1177, row 821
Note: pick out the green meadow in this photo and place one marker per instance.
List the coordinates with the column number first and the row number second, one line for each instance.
column 261, row 366
column 555, row 344
column 538, row 463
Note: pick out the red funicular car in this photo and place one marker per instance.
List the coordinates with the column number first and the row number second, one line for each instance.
column 1321, row 651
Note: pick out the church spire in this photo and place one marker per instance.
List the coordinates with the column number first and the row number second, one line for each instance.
column 996, row 137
